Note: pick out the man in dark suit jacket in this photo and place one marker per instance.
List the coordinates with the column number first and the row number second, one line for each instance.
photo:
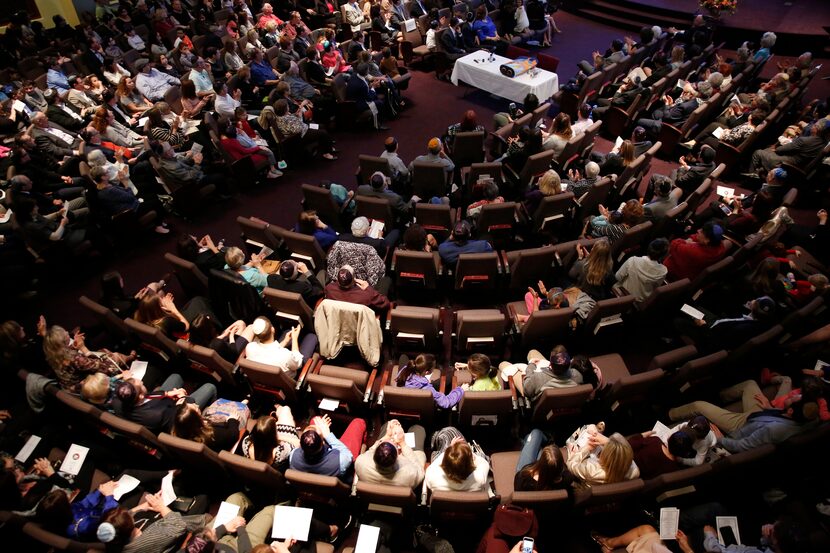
column 676, row 113
column 53, row 140
column 315, row 73
column 359, row 91
column 294, row 276
column 356, row 46
column 800, row 151
column 94, row 58
column 688, row 176
column 378, row 187
column 452, row 42
column 157, row 411
column 62, row 113
column 728, row 333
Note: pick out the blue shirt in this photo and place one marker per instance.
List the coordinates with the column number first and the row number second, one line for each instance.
column 86, row 514
column 57, row 80
column 334, row 461
column 261, row 72
column 449, row 250
column 485, row 28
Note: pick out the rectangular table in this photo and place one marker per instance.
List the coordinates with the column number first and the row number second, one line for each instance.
column 475, row 69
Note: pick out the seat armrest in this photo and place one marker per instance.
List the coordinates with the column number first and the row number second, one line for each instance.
column 620, row 291
column 514, row 317
column 513, row 393
column 503, row 261
column 367, row 395
column 311, row 365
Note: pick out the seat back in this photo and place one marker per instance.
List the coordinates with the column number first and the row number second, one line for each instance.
column 78, row 406
column 257, row 234
column 233, row 299
column 109, row 320
column 397, row 499
column 553, row 209
column 547, row 62
column 375, row 208
column 415, row 328
column 416, row 269
column 595, row 195
column 529, row 266
column 346, row 385
column 428, row 180
column 542, row 110
column 319, row 199
column 608, row 313
column 545, row 327
column 627, row 179
column 485, row 408
column 535, row 165
column 153, row 339
column 137, row 434
column 55, row 542
column 318, row 489
column 434, row 218
column 305, row 248
column 483, row 170
column 710, row 274
column 560, row 402
column 477, row 271
column 409, row 403
column 269, row 380
column 368, row 165
column 665, row 299
column 609, row 496
column 634, row 388
column 698, row 372
column 480, row 329
column 255, row 474
column 497, row 218
column 569, row 153
column 191, row 279
column 459, row 506
column 587, row 144
column 290, row 306
column 468, row 148
column 633, row 238
column 208, row 361
column 194, row 455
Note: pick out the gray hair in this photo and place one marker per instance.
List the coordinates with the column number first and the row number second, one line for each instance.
column 704, row 89
column 360, row 227
column 658, row 32
column 715, row 79
column 768, row 40
column 591, row 169
column 96, row 158
column 743, row 53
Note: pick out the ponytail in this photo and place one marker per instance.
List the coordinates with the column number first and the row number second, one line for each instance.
column 422, row 364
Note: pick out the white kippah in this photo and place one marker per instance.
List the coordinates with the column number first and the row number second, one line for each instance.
column 259, row 325
column 106, row 532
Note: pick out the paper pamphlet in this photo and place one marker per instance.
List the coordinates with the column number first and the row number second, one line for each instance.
column 74, row 459
column 327, row 404
column 125, row 485
column 662, row 431
column 196, row 148
column 409, row 438
column 143, row 121
column 138, row 369
column 291, row 522
column 737, row 100
column 313, row 126
column 409, row 25
column 168, row 495
column 669, row 520
column 367, row 539
column 719, row 132
column 692, row 312
column 681, row 83
column 376, row 230
column 27, row 449
column 724, row 191
column 226, row 513
column 820, row 365
column 730, row 522
column 266, row 251
column 17, row 105
column 618, row 143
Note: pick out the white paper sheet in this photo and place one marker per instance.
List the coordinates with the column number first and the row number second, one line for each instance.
column 125, row 485
column 291, row 522
column 74, row 459
column 662, row 431
column 731, row 522
column 27, row 449
column 618, row 143
column 168, row 495
column 226, row 513
column 669, row 520
column 724, row 191
column 409, row 25
column 820, row 365
column 138, row 369
column 720, row 131
column 327, row 404
column 367, row 539
column 196, row 148
column 409, row 438
column 692, row 312
column 313, row 126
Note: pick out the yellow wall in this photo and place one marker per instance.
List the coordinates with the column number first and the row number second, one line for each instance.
column 48, row 8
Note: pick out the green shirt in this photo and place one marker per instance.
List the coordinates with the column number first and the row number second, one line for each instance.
column 486, row 385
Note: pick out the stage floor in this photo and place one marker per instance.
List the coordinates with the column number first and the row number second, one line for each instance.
column 802, row 17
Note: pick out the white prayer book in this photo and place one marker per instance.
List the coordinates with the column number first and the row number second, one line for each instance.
column 168, row 495
column 291, row 523
column 376, row 229
column 125, row 485
column 692, row 312
column 719, row 132
column 662, row 431
column 226, row 513
column 367, row 539
column 409, row 438
column 669, row 520
column 724, row 191
column 138, row 369
column 74, row 459
column 27, row 449
column 327, row 404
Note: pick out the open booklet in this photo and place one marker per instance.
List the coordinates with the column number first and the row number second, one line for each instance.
column 662, row 431
column 376, row 229
column 669, row 522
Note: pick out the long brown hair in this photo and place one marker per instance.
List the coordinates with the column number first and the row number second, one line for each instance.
column 100, row 121
column 264, row 439
column 149, row 310
column 562, row 126
column 422, row 364
column 599, row 263
column 547, row 469
column 458, row 462
column 627, row 152
column 189, row 424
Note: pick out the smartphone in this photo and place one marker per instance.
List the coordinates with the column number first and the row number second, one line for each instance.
column 527, row 545
column 726, row 210
column 728, row 536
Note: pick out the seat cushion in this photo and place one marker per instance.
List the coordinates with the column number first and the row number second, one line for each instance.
column 504, row 472
column 612, row 366
column 353, row 375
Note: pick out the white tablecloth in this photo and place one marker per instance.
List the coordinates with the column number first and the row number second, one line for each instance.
column 486, row 76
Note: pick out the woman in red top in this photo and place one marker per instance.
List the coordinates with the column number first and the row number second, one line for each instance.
column 258, row 155
column 687, row 258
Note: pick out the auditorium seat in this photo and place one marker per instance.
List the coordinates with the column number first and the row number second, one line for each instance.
column 477, row 271
column 191, row 279
column 290, row 307
column 208, row 362
column 415, row 329
column 436, row 219
column 416, row 271
column 194, row 455
column 321, row 201
column 379, row 209
column 352, row 388
column 480, row 330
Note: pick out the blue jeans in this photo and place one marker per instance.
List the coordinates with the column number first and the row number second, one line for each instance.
column 531, row 447
column 203, row 396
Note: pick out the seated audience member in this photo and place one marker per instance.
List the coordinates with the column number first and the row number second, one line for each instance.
column 42, row 231
column 202, row 252
column 541, row 466
column 613, row 225
column 757, row 423
column 593, row 271
column 603, row 460
column 666, row 196
column 459, row 243
column 295, row 276
column 529, row 105
column 542, row 300
column 72, row 361
column 436, row 155
column 113, row 200
column 579, row 186
column 618, row 159
column 217, row 432
column 252, row 273
column 265, row 349
column 416, row 239
column 186, row 169
column 484, row 375
column 541, row 375
column 312, row 140
column 687, row 258
column 490, row 193
column 676, row 112
column 152, row 83
column 360, row 229
column 272, row 438
column 378, row 187
column 560, row 133
column 715, row 333
column 642, row 538
column 321, row 452
column 160, row 311
column 399, row 169
column 469, row 123
column 640, row 275
column 549, row 184
column 583, row 120
column 76, row 519
column 309, row 223
column 599, row 62
column 391, row 461
column 157, row 410
column 232, row 142
column 457, row 468
column 229, row 344
column 654, row 458
column 799, row 152
column 703, row 439
column 346, row 287
column 120, row 531
column 416, row 374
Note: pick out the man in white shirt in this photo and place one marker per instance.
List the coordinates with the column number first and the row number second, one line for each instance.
column 201, row 79
column 583, row 120
column 354, row 16
column 641, row 275
column 151, row 83
column 225, row 104
column 400, row 172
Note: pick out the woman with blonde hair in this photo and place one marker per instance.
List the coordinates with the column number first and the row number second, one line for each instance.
column 252, row 272
column 560, row 133
column 678, row 55
column 72, row 361
column 612, row 462
column 593, row 272
column 550, row 184
column 616, row 162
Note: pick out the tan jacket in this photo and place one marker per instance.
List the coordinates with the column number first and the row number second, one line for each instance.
column 339, row 323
